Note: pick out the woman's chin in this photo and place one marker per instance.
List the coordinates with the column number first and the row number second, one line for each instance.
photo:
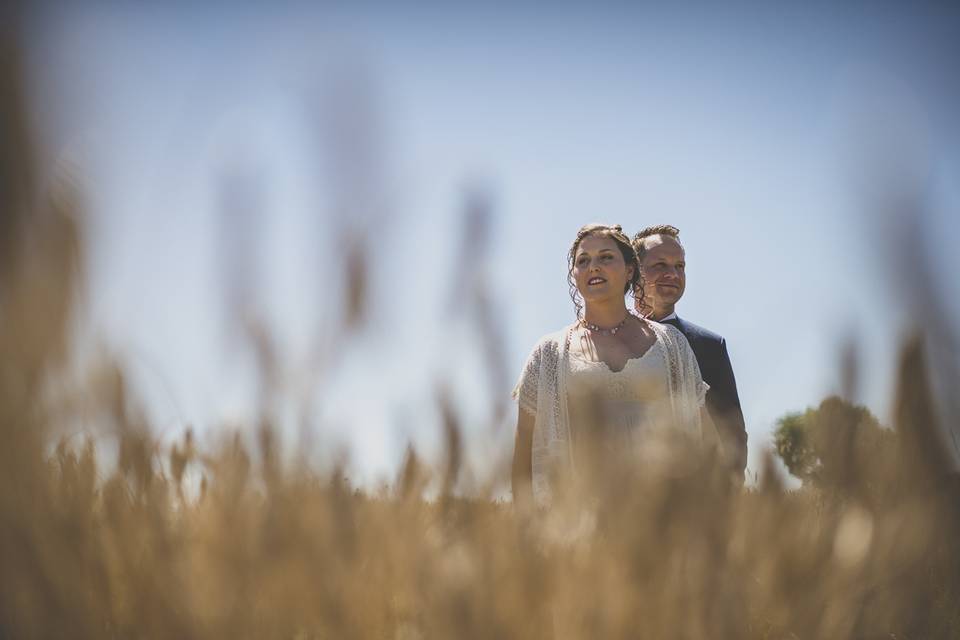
column 598, row 293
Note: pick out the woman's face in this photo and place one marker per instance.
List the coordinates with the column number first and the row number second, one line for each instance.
column 599, row 270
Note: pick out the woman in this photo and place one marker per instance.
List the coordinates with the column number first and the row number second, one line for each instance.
column 602, row 384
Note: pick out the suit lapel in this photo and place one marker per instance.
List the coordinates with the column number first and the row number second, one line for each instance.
column 676, row 323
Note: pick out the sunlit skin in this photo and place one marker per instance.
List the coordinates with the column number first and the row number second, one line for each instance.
column 663, row 269
column 600, row 274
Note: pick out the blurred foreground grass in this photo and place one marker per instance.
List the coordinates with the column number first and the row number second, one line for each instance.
column 267, row 548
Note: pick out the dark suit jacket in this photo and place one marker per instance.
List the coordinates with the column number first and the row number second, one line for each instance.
column 723, row 403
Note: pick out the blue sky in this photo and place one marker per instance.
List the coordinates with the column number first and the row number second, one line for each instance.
column 759, row 131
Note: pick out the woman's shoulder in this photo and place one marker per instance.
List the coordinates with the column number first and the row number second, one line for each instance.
column 555, row 337
column 551, row 343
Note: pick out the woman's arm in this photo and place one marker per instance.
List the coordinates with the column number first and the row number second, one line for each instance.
column 522, row 473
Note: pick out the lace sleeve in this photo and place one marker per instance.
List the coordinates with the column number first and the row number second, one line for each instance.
column 700, row 386
column 695, row 385
column 526, row 390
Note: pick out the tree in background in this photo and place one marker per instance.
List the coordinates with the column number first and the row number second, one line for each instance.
column 829, row 445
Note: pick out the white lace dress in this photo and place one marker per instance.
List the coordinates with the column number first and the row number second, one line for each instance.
column 617, row 410
column 561, row 389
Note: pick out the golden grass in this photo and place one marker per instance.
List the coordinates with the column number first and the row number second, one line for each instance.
column 274, row 549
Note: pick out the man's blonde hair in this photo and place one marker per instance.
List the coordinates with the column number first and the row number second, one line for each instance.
column 657, row 230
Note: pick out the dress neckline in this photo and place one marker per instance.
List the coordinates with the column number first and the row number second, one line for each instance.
column 600, row 363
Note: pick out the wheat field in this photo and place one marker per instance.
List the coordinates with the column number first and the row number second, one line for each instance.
column 262, row 547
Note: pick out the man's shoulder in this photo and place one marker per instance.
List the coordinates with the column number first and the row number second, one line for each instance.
column 695, row 331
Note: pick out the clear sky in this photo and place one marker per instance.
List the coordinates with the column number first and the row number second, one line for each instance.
column 758, row 130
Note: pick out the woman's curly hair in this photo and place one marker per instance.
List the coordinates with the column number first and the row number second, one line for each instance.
column 615, row 232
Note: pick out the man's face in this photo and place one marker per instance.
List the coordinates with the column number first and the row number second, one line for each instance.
column 664, row 272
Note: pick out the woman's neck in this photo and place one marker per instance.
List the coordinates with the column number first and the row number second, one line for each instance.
column 605, row 315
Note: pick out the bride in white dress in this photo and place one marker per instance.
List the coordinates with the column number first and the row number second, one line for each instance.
column 609, row 383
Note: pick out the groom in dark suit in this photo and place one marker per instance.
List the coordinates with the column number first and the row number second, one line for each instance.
column 663, row 264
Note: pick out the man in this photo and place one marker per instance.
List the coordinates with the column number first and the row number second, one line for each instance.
column 662, row 265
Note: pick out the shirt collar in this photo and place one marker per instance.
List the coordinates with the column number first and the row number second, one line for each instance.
column 672, row 316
